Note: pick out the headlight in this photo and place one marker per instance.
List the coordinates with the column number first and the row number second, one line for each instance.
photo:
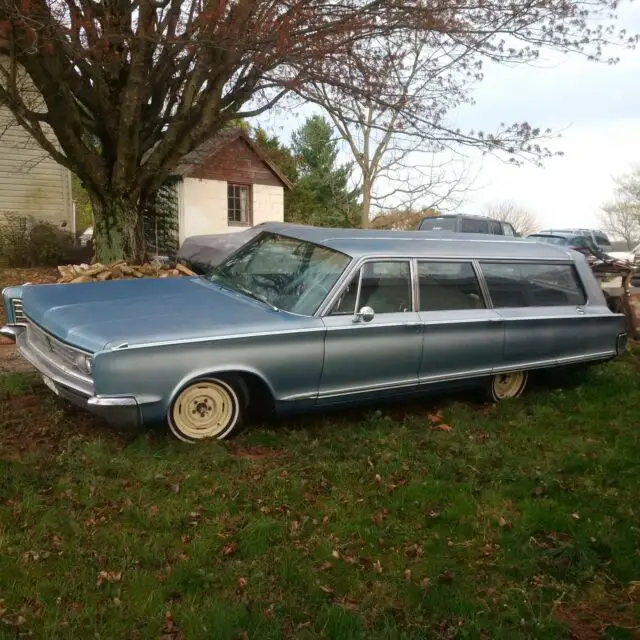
column 84, row 363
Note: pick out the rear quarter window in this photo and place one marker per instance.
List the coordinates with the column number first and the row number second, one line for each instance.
column 524, row 284
column 471, row 225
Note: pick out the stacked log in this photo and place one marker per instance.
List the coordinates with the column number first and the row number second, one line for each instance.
column 78, row 273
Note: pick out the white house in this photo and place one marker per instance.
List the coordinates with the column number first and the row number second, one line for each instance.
column 228, row 184
column 31, row 182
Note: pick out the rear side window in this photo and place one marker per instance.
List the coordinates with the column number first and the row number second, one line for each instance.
column 472, row 225
column 495, row 228
column 448, row 286
column 508, row 229
column 533, row 284
column 438, row 224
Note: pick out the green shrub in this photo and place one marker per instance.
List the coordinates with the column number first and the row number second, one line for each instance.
column 26, row 242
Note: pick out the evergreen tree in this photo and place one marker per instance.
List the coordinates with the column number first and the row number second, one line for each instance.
column 322, row 195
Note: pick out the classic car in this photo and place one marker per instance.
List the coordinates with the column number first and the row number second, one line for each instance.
column 302, row 317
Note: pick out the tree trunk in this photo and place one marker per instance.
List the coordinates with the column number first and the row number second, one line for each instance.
column 117, row 232
column 366, row 202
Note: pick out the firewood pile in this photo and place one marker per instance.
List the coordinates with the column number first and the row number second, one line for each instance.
column 78, row 273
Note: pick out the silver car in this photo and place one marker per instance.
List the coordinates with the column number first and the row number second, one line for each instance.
column 301, row 318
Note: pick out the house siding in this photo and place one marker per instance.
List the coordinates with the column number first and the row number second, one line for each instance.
column 31, row 182
column 203, row 207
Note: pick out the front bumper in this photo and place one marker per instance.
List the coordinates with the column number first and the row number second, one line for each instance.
column 119, row 411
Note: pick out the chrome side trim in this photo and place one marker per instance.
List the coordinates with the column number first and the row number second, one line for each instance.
column 110, row 401
column 415, row 285
column 472, row 373
column 257, row 334
column 377, row 325
column 364, row 389
column 577, row 316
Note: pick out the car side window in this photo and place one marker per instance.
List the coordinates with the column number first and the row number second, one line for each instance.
column 385, row 287
column 507, row 229
column 495, row 228
column 533, row 285
column 471, row 225
column 448, row 286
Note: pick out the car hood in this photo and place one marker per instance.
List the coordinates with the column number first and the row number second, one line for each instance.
column 95, row 316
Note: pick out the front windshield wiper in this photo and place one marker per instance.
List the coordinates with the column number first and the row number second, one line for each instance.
column 215, row 276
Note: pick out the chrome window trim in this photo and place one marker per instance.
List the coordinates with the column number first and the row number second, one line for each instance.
column 324, row 310
column 469, row 261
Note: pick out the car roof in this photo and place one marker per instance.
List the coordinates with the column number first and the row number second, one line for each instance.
column 434, row 244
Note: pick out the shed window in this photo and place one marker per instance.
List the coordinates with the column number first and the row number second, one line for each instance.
column 533, row 284
column 448, row 286
column 239, row 204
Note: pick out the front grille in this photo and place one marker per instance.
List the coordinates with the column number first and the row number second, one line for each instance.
column 18, row 313
column 53, row 349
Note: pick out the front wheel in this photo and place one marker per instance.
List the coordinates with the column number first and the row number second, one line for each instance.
column 504, row 386
column 210, row 408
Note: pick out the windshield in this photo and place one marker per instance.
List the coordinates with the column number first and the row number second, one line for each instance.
column 549, row 239
column 286, row 273
column 438, row 224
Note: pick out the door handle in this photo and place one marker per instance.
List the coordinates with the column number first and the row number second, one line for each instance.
column 580, row 310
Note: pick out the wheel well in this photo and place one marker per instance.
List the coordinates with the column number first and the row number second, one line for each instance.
column 258, row 394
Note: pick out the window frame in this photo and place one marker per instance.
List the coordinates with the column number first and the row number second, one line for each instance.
column 477, row 274
column 249, row 188
column 326, row 310
column 508, row 261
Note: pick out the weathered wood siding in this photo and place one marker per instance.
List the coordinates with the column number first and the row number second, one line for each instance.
column 238, row 163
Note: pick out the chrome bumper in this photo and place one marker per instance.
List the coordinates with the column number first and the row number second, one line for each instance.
column 119, row 411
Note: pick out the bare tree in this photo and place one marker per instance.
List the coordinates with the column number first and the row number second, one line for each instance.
column 523, row 221
column 621, row 217
column 131, row 86
column 398, row 165
column 401, row 219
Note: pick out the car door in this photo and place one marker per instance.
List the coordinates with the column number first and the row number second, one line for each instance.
column 462, row 338
column 372, row 357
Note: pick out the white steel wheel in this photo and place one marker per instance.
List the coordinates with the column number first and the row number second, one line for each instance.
column 205, row 409
column 505, row 386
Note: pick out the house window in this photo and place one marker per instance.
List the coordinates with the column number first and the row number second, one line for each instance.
column 239, row 204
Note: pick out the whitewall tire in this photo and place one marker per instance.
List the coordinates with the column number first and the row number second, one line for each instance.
column 206, row 409
column 505, row 386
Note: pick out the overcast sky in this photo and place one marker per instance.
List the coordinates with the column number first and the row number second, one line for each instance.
column 597, row 108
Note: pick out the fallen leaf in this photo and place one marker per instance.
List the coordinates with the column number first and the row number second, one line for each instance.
column 242, row 582
column 447, row 576
column 336, row 554
column 502, row 522
column 434, row 418
column 228, row 549
column 443, row 427
column 284, row 474
column 575, row 516
column 326, row 566
column 326, row 588
column 174, row 488
column 407, row 574
column 377, row 478
column 108, row 576
column 349, row 604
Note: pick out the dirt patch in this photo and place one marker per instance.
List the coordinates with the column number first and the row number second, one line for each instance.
column 593, row 621
column 11, row 361
column 253, row 453
column 34, row 420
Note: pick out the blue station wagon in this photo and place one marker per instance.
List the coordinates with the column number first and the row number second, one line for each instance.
column 303, row 317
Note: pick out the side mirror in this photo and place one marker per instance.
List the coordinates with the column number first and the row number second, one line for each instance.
column 366, row 314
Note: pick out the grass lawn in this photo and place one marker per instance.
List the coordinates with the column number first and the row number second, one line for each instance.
column 406, row 522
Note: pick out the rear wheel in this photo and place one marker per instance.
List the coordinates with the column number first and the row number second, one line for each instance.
column 209, row 408
column 504, row 386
